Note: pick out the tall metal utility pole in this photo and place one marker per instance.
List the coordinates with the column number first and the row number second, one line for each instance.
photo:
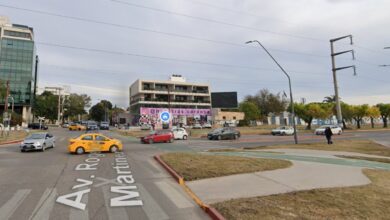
column 334, row 70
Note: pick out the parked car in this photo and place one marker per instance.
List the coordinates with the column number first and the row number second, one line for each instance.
column 284, row 130
column 158, row 136
column 37, row 141
column 92, row 142
column 65, row 125
column 35, row 125
column 145, row 127
column 77, row 127
column 335, row 129
column 223, row 134
column 104, row 125
column 92, row 126
column 180, row 133
column 207, row 125
column 197, row 126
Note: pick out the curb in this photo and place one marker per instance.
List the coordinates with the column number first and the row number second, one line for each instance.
column 212, row 212
column 11, row 142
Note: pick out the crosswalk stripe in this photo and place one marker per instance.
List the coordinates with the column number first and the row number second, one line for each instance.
column 178, row 199
column 77, row 214
column 151, row 208
column 113, row 213
column 45, row 205
column 12, row 204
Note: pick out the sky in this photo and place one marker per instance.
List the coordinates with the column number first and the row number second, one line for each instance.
column 100, row 47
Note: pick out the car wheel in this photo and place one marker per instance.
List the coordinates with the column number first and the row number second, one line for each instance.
column 80, row 150
column 185, row 137
column 219, row 137
column 283, row 134
column 114, row 149
column 339, row 133
column 273, row 134
column 151, row 141
column 21, row 150
column 171, row 140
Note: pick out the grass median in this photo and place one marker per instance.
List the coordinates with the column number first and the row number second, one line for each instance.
column 13, row 136
column 357, row 146
column 363, row 202
column 193, row 166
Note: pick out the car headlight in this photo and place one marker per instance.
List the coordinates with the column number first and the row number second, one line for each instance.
column 37, row 143
column 22, row 143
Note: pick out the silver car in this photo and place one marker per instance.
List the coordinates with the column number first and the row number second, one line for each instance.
column 37, row 141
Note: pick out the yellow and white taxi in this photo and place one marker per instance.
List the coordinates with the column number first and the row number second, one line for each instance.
column 94, row 142
column 77, row 127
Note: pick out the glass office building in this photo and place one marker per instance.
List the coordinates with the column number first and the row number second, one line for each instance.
column 18, row 66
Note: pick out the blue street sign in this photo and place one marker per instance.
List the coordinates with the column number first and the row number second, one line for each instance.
column 165, row 116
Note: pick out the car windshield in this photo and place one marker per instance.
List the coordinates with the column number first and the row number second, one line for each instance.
column 36, row 136
column 218, row 130
column 153, row 132
column 324, row 126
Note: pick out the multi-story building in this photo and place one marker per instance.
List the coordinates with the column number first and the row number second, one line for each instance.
column 185, row 101
column 18, row 65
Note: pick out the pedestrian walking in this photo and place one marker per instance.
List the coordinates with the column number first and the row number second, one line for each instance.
column 328, row 135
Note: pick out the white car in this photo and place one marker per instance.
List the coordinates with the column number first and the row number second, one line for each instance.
column 180, row 133
column 207, row 125
column 335, row 129
column 197, row 126
column 284, row 130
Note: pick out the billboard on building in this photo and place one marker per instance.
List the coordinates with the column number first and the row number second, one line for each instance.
column 224, row 100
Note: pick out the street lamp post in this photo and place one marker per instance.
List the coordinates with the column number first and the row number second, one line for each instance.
column 289, row 84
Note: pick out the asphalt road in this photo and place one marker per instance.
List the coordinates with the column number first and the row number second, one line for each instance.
column 31, row 183
column 55, row 184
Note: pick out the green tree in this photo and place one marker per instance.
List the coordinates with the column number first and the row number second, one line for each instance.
column 329, row 99
column 268, row 102
column 97, row 112
column 347, row 113
column 46, row 105
column 75, row 105
column 309, row 111
column 251, row 111
column 385, row 112
column 3, row 91
column 373, row 112
column 359, row 112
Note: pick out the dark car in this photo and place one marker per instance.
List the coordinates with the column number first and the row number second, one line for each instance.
column 104, row 125
column 92, row 126
column 158, row 136
column 37, row 126
column 224, row 134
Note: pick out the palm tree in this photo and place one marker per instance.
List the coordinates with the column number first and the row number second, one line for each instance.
column 330, row 99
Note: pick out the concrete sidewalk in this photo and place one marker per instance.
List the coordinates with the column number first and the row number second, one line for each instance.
column 301, row 176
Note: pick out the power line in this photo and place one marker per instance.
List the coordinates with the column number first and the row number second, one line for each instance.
column 215, row 21
column 160, row 32
column 169, row 58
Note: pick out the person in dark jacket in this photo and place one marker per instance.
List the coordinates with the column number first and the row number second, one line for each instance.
column 328, row 135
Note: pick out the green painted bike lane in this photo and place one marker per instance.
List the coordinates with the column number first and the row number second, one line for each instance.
column 335, row 161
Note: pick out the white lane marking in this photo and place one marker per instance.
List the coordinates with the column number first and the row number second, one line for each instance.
column 12, row 204
column 45, row 205
column 113, row 213
column 175, row 196
column 77, row 214
column 151, row 208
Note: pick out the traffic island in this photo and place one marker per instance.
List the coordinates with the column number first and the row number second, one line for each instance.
column 362, row 202
column 191, row 166
column 13, row 137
